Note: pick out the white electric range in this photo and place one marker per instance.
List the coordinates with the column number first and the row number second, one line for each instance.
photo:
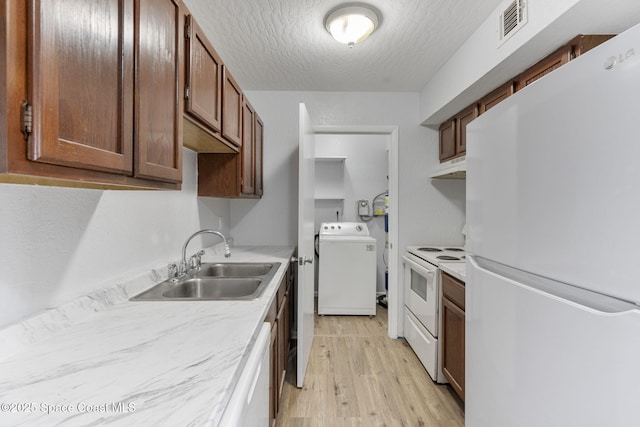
column 422, row 297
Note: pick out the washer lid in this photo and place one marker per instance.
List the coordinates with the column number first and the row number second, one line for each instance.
column 343, row 229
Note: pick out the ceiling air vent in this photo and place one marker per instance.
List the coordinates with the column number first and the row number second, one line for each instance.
column 512, row 18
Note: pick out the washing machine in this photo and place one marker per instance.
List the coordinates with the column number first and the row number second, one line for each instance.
column 347, row 269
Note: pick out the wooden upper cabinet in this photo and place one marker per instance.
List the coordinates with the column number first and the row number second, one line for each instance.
column 231, row 108
column 203, row 84
column 259, row 149
column 453, row 133
column 203, row 106
column 544, row 67
column 80, row 83
column 494, row 98
column 462, row 120
column 158, row 95
column 448, row 139
column 102, row 82
column 235, row 174
column 572, row 49
column 248, row 149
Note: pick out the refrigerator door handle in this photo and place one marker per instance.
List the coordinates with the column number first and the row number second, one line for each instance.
column 580, row 297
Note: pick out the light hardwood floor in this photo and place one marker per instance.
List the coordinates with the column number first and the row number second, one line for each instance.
column 358, row 376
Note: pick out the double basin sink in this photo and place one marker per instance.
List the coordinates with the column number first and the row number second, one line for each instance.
column 215, row 281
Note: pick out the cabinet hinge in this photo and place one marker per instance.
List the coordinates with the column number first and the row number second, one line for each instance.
column 187, row 30
column 26, row 119
column 187, row 92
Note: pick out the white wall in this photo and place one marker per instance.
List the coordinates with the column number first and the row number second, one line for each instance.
column 362, row 175
column 430, row 212
column 59, row 243
column 481, row 64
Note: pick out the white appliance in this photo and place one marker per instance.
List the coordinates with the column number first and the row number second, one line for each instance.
column 347, row 269
column 249, row 404
column 422, row 297
column 553, row 202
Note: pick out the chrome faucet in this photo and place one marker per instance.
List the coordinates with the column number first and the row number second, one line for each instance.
column 184, row 267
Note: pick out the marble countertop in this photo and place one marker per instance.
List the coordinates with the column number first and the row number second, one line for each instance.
column 456, row 269
column 111, row 361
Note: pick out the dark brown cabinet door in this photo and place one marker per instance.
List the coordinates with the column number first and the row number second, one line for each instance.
column 282, row 344
column 447, row 140
column 286, row 323
column 453, row 133
column 203, row 87
column 105, row 82
column 259, row 149
column 453, row 348
column 80, row 81
column 572, row 49
column 453, row 332
column 494, row 98
column 273, row 374
column 235, row 174
column 159, row 97
column 462, row 120
column 247, row 151
column 231, row 108
column 279, row 315
column 544, row 67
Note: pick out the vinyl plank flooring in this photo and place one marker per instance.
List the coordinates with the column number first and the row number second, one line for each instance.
column 357, row 376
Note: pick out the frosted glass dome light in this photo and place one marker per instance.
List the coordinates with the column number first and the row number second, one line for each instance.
column 351, row 25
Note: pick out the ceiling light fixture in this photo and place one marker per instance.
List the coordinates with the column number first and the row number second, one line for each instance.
column 351, row 24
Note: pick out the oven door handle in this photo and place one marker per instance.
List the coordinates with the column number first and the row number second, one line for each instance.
column 424, row 271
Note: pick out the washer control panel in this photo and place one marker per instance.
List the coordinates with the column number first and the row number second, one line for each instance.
column 343, row 229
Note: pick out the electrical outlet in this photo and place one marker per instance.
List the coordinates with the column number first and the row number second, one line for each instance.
column 220, row 223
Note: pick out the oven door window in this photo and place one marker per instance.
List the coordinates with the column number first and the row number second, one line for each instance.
column 419, row 284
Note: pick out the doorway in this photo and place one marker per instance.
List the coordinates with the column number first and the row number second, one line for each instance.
column 356, row 164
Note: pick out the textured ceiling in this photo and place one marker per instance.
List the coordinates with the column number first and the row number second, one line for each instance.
column 282, row 44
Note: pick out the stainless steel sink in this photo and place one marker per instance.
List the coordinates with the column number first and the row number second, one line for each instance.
column 230, row 269
column 216, row 288
column 215, row 281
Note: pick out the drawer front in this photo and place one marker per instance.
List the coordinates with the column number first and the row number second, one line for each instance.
column 424, row 345
column 453, row 289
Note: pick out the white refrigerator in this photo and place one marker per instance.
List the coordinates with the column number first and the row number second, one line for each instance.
column 553, row 272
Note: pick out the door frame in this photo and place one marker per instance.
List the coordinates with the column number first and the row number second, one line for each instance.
column 393, row 293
